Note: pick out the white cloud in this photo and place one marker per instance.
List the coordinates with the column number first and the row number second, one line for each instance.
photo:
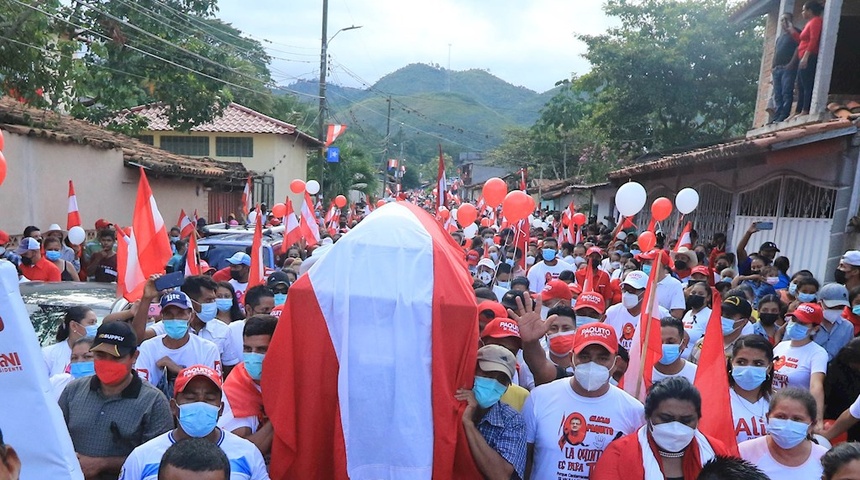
column 530, row 43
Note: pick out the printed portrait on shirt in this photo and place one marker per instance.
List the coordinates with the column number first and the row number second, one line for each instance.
column 573, row 430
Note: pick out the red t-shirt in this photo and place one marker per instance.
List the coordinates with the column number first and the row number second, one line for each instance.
column 599, row 282
column 222, row 275
column 43, row 270
column 809, row 38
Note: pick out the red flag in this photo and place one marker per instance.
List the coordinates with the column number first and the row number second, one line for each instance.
column 333, row 132
column 713, row 383
column 129, row 279
column 186, row 226
column 153, row 246
column 192, row 256
column 258, row 274
column 441, row 187
column 647, row 347
column 246, row 199
column 323, row 422
column 685, row 240
column 308, row 222
column 292, row 231
column 74, row 217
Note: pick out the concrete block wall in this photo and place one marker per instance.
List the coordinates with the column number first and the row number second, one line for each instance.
column 765, row 87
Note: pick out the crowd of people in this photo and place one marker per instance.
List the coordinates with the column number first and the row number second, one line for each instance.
column 146, row 389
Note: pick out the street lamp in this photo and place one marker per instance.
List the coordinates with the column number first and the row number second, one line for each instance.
column 323, row 67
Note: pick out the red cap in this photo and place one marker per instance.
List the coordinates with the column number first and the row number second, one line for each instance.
column 192, row 372
column 501, row 327
column 4, row 238
column 574, row 288
column 556, row 289
column 591, row 300
column 596, row 250
column 499, row 310
column 664, row 257
column 595, row 334
column 701, row 270
column 205, row 267
column 472, row 257
column 808, row 313
column 101, row 224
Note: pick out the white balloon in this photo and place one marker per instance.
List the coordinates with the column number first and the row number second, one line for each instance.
column 687, row 200
column 77, row 235
column 470, row 231
column 536, row 223
column 312, row 187
column 630, row 198
column 252, row 217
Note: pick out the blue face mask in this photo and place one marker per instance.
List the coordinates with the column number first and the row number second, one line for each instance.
column 175, row 329
column 787, row 433
column 198, row 419
column 510, row 262
column 807, row 297
column 280, row 299
column 792, row 288
column 796, row 331
column 254, row 364
column 91, row 330
column 548, row 254
column 855, row 309
column 505, row 285
column 488, row 391
column 646, row 269
column 580, row 321
column 635, row 252
column 82, row 369
column 728, row 325
column 207, row 311
column 224, row 304
column 670, row 353
column 53, row 255
column 749, row 377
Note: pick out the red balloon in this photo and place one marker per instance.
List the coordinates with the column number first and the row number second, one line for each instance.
column 443, row 213
column 646, row 241
column 297, row 186
column 485, row 222
column 494, row 191
column 517, row 205
column 661, row 209
column 579, row 219
column 2, row 168
column 466, row 214
column 532, row 203
column 340, row 201
column 380, row 203
column 279, row 210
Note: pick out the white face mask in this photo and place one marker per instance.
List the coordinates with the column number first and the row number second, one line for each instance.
column 832, row 315
column 485, row 277
column 544, row 312
column 530, row 260
column 591, row 376
column 672, row 436
column 629, row 300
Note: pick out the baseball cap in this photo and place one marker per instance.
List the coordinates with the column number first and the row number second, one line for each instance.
column 26, row 245
column 736, row 305
column 175, row 298
column 278, row 277
column 834, row 295
column 851, row 257
column 768, row 246
column 102, row 224
column 591, row 300
column 594, row 250
column 701, row 270
column 205, row 267
column 486, row 262
column 595, row 334
column 499, row 310
column 4, row 238
column 556, row 289
column 655, row 254
column 636, row 279
column 472, row 257
column 509, row 299
column 501, row 327
column 496, row 358
column 240, row 258
column 190, row 373
column 808, row 313
column 115, row 338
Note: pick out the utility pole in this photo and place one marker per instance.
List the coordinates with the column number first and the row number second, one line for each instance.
column 322, row 112
column 387, row 148
column 564, row 165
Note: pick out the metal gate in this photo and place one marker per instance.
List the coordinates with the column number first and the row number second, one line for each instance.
column 711, row 216
column 802, row 216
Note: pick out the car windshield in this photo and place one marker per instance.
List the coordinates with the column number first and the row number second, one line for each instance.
column 47, row 304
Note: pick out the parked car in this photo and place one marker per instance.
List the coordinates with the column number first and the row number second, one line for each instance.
column 221, row 244
column 47, row 303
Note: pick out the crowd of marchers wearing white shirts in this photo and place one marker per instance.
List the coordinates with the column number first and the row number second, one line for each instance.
column 556, row 323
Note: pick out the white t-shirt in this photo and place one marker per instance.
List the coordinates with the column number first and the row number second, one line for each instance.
column 500, row 292
column 246, row 461
column 197, row 351
column 756, row 452
column 570, row 432
column 237, row 341
column 58, row 384
column 625, row 324
column 240, row 291
column 216, row 332
column 57, row 357
column 670, row 293
column 230, row 423
column 688, row 372
column 750, row 418
column 540, row 273
column 795, row 365
column 695, row 325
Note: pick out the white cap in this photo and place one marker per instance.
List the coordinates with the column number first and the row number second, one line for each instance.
column 851, row 257
column 486, row 262
column 636, row 279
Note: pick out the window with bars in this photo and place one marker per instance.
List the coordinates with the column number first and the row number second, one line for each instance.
column 234, row 147
column 805, row 200
column 264, row 190
column 184, row 145
column 147, row 139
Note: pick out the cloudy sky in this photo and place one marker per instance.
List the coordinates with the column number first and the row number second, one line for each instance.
column 529, row 43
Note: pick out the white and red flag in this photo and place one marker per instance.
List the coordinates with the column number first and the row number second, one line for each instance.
column 257, row 276
column 441, row 187
column 647, row 347
column 325, row 354
column 153, row 245
column 74, row 216
column 308, row 222
column 292, row 231
column 192, row 256
column 246, row 199
column 685, row 240
column 130, row 279
column 186, row 225
column 333, row 132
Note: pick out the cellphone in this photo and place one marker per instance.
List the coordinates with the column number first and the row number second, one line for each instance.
column 169, row 281
column 764, row 225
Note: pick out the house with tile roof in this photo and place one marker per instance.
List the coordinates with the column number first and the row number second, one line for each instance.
column 44, row 150
column 274, row 152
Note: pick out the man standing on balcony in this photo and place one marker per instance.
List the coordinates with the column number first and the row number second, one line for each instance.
column 784, row 69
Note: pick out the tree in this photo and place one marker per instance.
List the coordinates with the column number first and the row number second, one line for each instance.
column 355, row 171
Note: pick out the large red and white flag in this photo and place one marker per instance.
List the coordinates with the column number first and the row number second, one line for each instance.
column 441, row 183
column 153, row 245
column 257, row 276
column 308, row 222
column 647, row 347
column 130, row 279
column 186, row 225
column 325, row 353
column 246, row 199
column 192, row 257
column 333, row 132
column 685, row 240
column 292, row 231
column 73, row 219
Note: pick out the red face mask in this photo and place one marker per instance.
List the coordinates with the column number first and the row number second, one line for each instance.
column 561, row 344
column 110, row 372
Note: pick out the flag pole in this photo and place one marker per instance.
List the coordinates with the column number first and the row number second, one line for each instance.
column 649, row 308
